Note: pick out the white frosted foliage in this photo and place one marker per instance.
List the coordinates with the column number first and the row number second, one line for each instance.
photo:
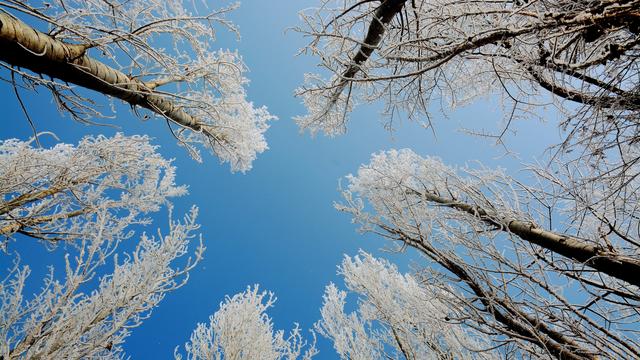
column 57, row 193
column 68, row 320
column 165, row 49
column 418, row 56
column 394, row 184
column 396, row 317
column 90, row 197
column 241, row 329
column 510, row 259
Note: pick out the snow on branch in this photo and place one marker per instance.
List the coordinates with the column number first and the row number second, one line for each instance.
column 396, row 317
column 412, row 54
column 241, row 330
column 67, row 320
column 55, row 194
column 491, row 247
column 151, row 54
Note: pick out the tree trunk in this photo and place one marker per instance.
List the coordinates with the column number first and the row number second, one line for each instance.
column 606, row 262
column 25, row 47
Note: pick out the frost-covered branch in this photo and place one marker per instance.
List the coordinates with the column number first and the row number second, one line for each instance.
column 52, row 194
column 397, row 317
column 91, row 196
column 241, row 329
column 151, row 54
column 430, row 54
column 69, row 320
column 413, row 53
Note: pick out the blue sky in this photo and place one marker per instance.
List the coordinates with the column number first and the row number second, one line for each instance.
column 275, row 225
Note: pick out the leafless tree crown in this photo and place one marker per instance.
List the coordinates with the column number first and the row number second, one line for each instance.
column 152, row 54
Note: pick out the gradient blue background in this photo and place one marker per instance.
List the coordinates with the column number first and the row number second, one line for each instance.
column 275, row 225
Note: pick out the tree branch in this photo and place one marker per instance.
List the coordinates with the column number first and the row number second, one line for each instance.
column 381, row 18
column 607, row 262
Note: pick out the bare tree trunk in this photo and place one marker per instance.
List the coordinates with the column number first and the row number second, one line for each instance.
column 25, row 47
column 381, row 18
column 607, row 262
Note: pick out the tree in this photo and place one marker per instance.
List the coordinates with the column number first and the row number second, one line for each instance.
column 397, row 317
column 241, row 329
column 415, row 51
column 497, row 255
column 91, row 197
column 153, row 55
column 150, row 54
column 410, row 54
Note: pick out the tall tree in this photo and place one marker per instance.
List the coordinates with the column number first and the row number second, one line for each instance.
column 150, row 54
column 397, row 317
column 91, row 197
column 410, row 53
column 566, row 290
column 547, row 262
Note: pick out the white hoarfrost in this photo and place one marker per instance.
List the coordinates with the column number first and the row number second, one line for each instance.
column 504, row 256
column 90, row 197
column 397, row 317
column 55, row 193
column 241, row 330
column 167, row 47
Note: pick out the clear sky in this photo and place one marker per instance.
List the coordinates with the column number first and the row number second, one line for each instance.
column 275, row 225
